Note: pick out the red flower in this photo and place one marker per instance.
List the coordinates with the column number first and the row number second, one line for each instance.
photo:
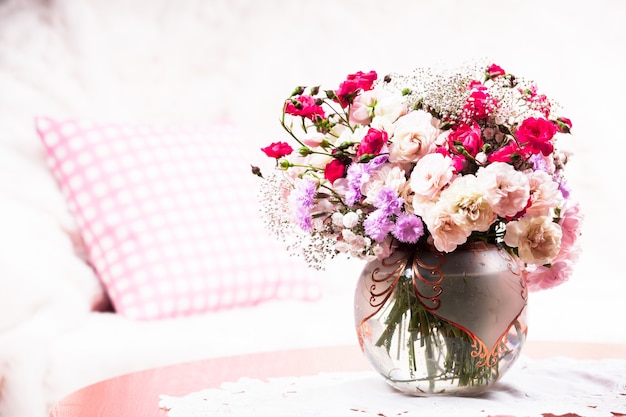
column 304, row 106
column 506, row 153
column 563, row 125
column 372, row 143
column 467, row 136
column 535, row 135
column 277, row 150
column 335, row 169
column 495, row 71
column 479, row 103
column 353, row 84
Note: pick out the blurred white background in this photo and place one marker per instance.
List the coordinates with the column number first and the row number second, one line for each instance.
column 193, row 60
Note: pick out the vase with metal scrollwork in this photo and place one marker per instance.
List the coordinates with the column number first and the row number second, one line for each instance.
column 435, row 323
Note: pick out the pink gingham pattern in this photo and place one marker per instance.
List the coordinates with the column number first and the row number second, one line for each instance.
column 170, row 217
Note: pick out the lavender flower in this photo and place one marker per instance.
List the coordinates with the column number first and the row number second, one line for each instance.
column 409, row 228
column 377, row 225
column 359, row 174
column 388, row 201
column 303, row 202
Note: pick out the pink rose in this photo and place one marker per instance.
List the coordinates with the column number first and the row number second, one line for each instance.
column 305, row 106
column 535, row 135
column 571, row 223
column 277, row 150
column 372, row 143
column 334, row 170
column 545, row 277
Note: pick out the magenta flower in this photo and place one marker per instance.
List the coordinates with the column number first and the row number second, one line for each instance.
column 305, row 106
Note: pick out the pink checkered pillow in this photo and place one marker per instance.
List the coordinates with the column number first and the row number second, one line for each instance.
column 170, row 217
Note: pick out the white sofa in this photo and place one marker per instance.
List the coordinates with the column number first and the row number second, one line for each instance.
column 235, row 60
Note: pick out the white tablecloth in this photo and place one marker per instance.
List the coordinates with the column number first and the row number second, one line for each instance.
column 541, row 388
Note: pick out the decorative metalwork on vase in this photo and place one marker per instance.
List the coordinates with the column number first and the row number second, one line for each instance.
column 398, row 267
column 417, row 265
column 486, row 357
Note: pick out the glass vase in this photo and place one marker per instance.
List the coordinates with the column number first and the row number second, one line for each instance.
column 436, row 323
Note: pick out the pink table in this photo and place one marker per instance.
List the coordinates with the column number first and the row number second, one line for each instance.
column 137, row 394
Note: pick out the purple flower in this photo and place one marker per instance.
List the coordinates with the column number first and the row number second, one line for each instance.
column 388, row 201
column 564, row 186
column 539, row 163
column 377, row 225
column 302, row 199
column 409, row 228
column 359, row 174
column 356, row 177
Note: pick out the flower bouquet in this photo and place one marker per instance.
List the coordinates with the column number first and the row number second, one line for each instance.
column 432, row 160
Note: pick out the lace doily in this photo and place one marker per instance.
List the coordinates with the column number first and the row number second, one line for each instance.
column 539, row 388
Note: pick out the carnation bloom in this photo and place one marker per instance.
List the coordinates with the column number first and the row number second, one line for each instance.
column 305, row 106
column 379, row 103
column 538, row 239
column 508, row 189
column 446, row 233
column 301, row 199
column 467, row 136
column 545, row 277
column 430, row 175
column 413, row 137
column 494, row 71
column 409, row 228
column 544, row 194
column 535, row 135
column 377, row 225
column 277, row 150
column 334, row 170
column 386, row 176
column 358, row 174
column 354, row 83
column 388, row 201
column 372, row 143
column 571, row 223
column 479, row 103
column 466, row 201
column 507, row 153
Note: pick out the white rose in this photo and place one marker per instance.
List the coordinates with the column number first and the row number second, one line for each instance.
column 466, row 199
column 446, row 233
column 413, row 137
column 389, row 106
column 538, row 239
column 377, row 104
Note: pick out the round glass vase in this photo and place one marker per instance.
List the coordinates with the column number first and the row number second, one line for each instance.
column 435, row 323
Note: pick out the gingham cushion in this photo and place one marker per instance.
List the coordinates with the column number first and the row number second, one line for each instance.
column 169, row 217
